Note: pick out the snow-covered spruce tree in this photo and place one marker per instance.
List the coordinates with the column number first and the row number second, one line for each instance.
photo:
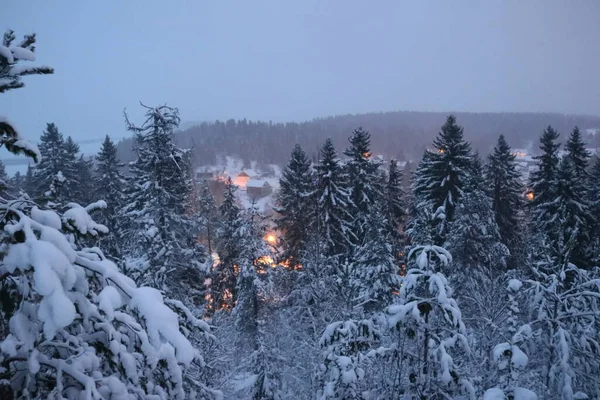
column 363, row 181
column 441, row 175
column 543, row 180
column 394, row 205
column 52, row 149
column 475, row 243
column 230, row 247
column 580, row 158
column 258, row 362
column 207, row 213
column 296, row 205
column 333, row 203
column 506, row 192
column 11, row 71
column 71, row 169
column 345, row 344
column 77, row 327
column 509, row 358
column 321, row 293
column 109, row 185
column 85, row 187
column 432, row 321
column 28, row 181
column 163, row 248
column 423, row 224
column 374, row 271
column 594, row 202
column 566, row 219
column 565, row 314
column 16, row 184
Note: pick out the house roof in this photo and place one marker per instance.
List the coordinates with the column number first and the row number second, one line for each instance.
column 243, row 175
column 205, row 170
column 257, row 183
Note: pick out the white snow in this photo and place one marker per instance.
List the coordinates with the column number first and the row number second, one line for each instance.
column 109, row 300
column 162, row 323
column 514, row 285
column 78, row 218
column 524, row 394
column 517, row 358
column 46, row 217
column 21, row 53
column 494, row 394
column 7, row 54
column 518, row 394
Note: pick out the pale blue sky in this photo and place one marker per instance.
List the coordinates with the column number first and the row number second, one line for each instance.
column 295, row 60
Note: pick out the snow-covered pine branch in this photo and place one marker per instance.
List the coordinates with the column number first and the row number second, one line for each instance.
column 80, row 323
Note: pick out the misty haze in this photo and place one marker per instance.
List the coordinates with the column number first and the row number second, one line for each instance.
column 271, row 200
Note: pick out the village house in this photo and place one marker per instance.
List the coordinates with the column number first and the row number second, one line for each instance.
column 257, row 189
column 205, row 174
column 241, row 180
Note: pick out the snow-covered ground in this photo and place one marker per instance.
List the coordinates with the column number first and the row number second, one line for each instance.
column 231, row 167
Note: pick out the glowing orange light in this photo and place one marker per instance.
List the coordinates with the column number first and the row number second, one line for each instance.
column 265, row 260
column 288, row 264
column 441, row 151
column 366, row 154
column 529, row 195
column 271, row 239
column 215, row 259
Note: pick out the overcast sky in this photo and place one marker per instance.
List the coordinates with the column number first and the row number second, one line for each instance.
column 295, row 60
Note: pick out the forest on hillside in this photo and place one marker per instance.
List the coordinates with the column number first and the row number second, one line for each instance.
column 474, row 283
column 401, row 135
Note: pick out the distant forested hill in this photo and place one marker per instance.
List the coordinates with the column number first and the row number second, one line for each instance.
column 401, row 134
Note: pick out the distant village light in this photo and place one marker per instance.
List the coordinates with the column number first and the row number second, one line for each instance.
column 529, row 195
column 271, row 239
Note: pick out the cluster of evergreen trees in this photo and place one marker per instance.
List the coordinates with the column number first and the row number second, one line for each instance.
column 521, row 268
column 461, row 287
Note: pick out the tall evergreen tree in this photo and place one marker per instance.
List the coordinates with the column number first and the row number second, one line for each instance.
column 230, row 248
column 506, row 192
column 16, row 183
column 65, row 337
column 110, row 186
column 566, row 219
column 84, row 188
column 296, row 205
column 362, row 182
column 394, row 205
column 375, row 273
column 441, row 175
column 160, row 228
column 434, row 329
column 207, row 213
column 543, row 180
column 52, row 149
column 475, row 243
column 333, row 202
column 71, row 169
column 29, row 181
column 594, row 202
column 580, row 159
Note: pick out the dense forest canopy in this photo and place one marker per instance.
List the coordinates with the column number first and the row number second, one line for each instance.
column 474, row 282
column 402, row 135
